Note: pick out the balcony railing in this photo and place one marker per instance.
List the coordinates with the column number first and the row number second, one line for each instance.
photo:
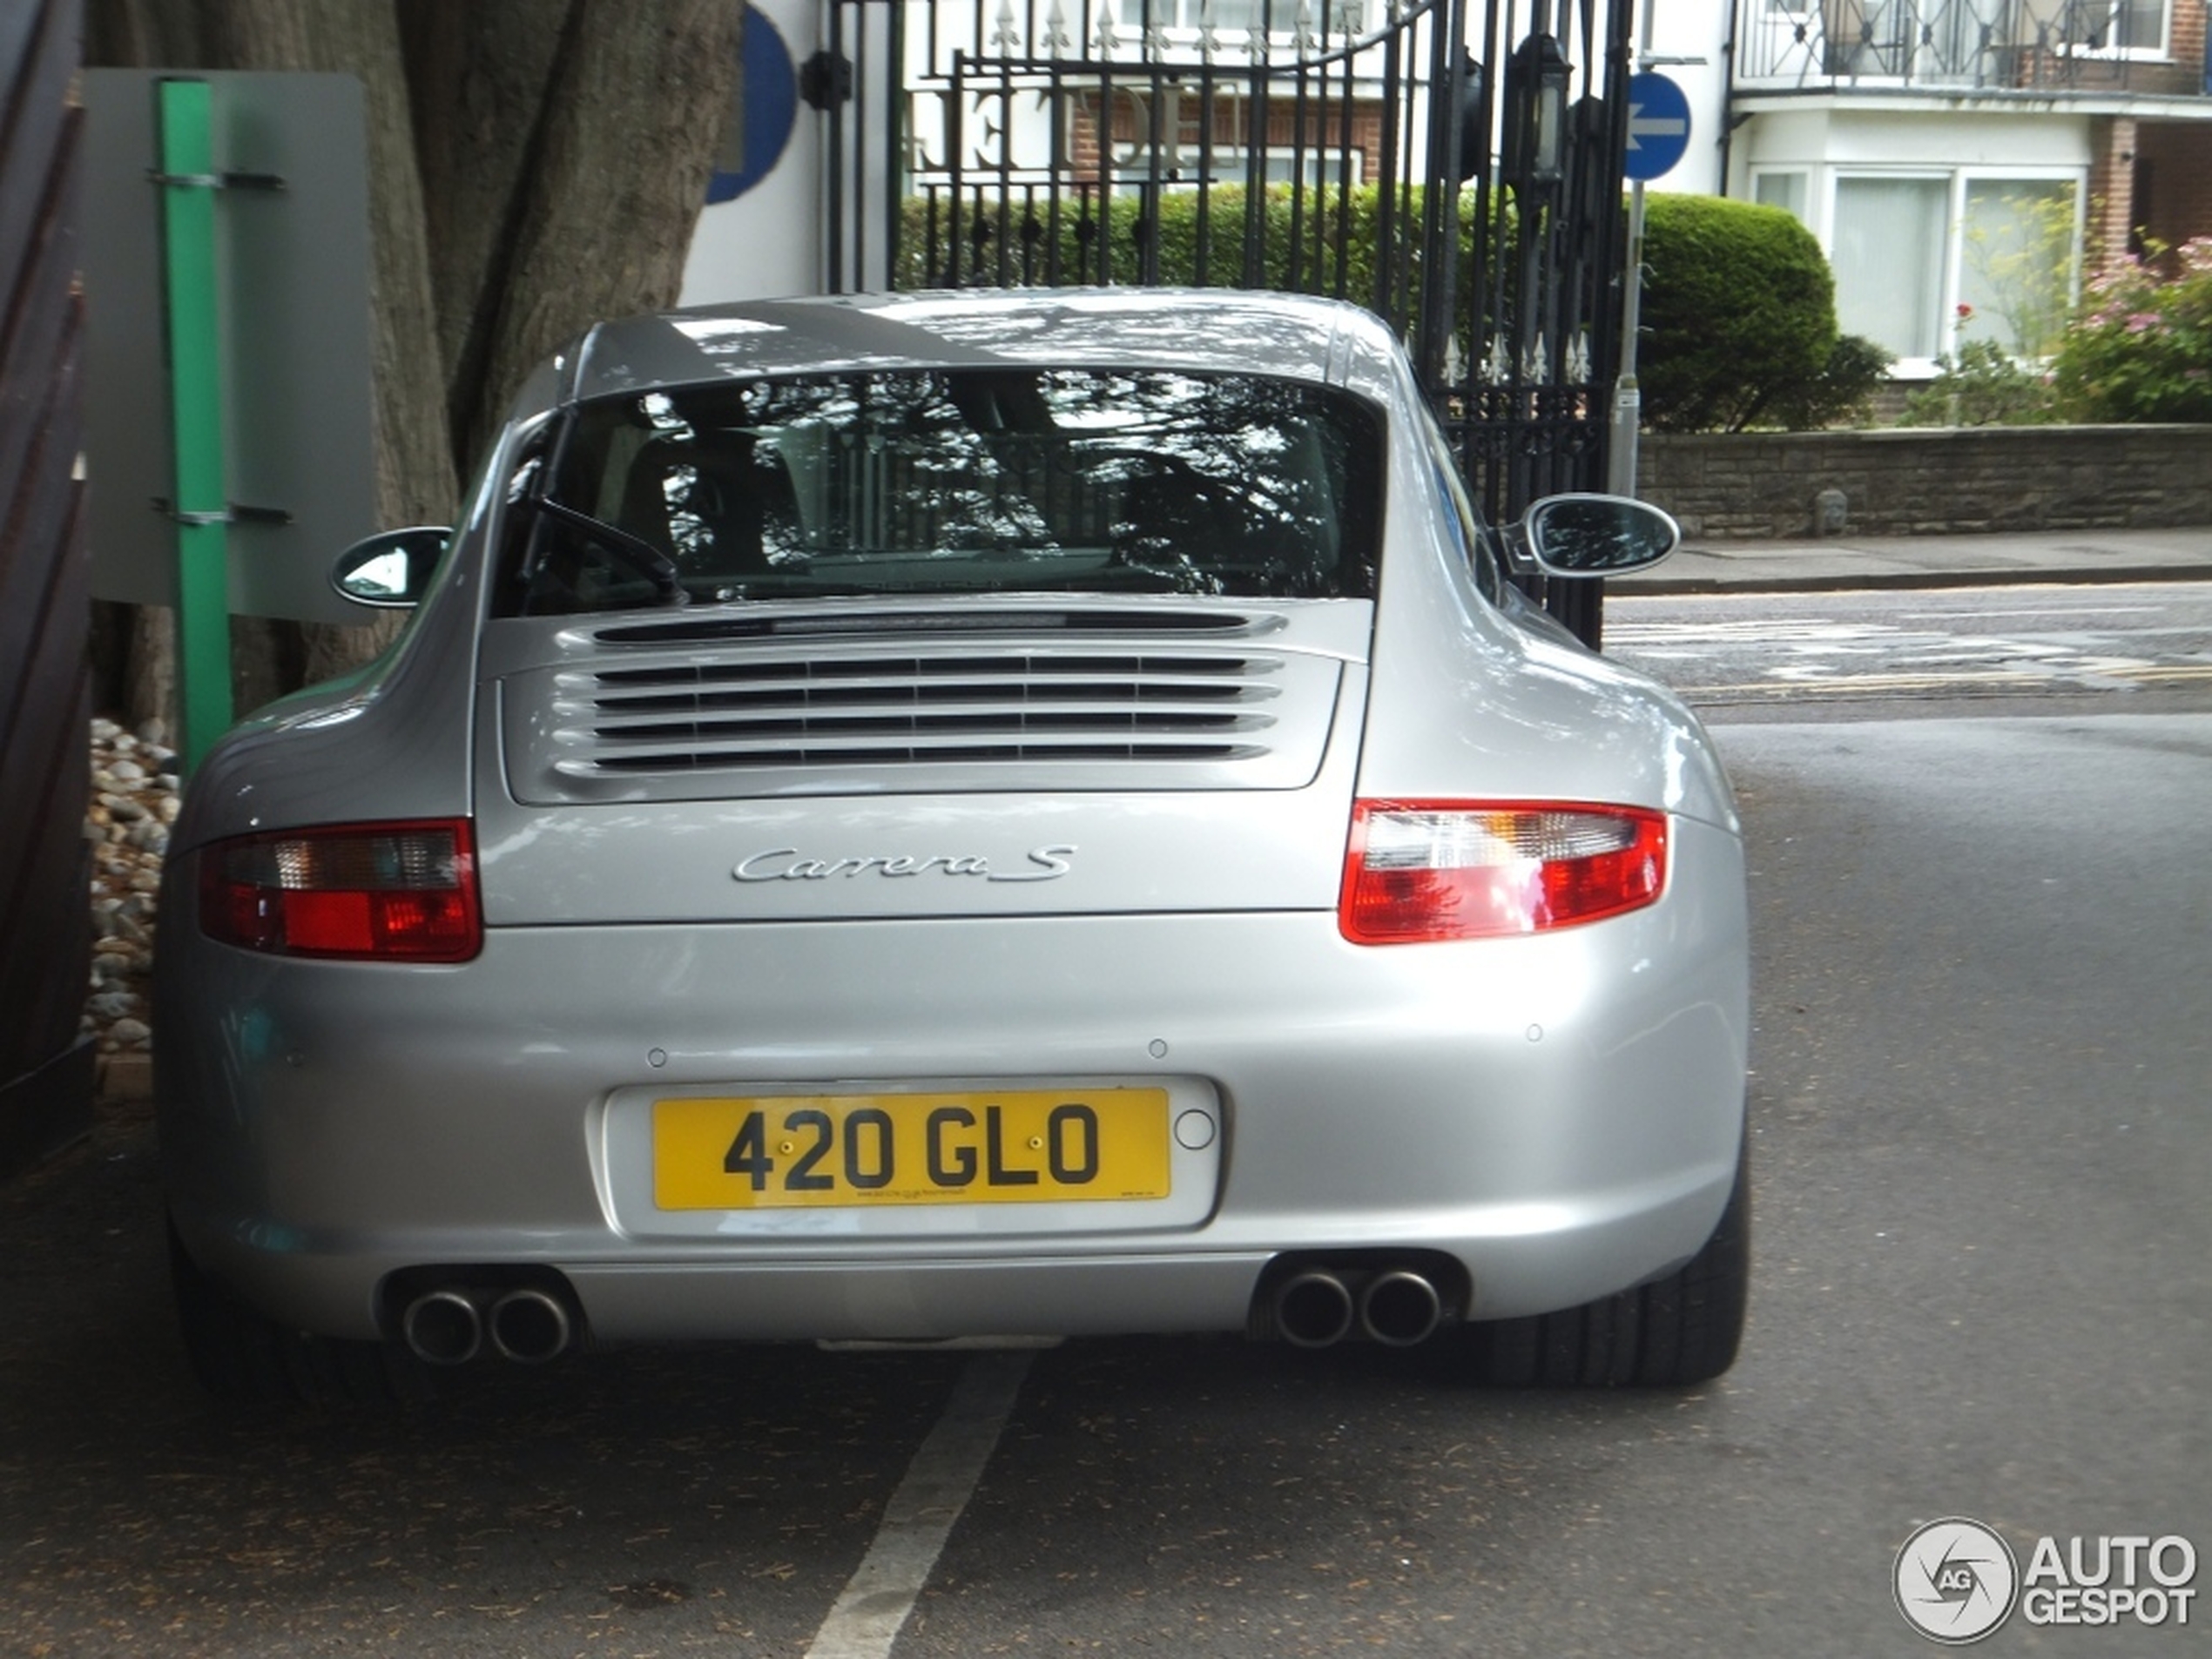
column 1952, row 45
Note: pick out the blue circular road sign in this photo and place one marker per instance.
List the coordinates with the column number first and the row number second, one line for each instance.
column 771, row 107
column 1658, row 124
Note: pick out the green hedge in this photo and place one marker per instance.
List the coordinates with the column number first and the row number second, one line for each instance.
column 1319, row 242
column 1740, row 309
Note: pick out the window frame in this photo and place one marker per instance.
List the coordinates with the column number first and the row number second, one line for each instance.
column 1958, row 181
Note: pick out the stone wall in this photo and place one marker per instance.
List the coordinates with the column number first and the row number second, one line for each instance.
column 1926, row 482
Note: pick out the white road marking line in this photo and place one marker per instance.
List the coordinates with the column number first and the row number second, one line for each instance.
column 867, row 1617
column 1973, row 613
column 1860, row 685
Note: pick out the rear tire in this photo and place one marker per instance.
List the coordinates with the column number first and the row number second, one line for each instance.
column 244, row 1357
column 1675, row 1331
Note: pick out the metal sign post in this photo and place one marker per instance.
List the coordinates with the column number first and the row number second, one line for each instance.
column 1658, row 134
column 228, row 437
column 201, row 504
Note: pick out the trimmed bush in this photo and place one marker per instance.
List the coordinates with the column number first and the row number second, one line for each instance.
column 1981, row 386
column 1740, row 308
column 1842, row 394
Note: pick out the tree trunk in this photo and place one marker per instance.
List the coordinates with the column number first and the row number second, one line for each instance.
column 534, row 165
column 603, row 198
column 481, row 74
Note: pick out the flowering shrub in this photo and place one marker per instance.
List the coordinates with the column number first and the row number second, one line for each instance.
column 1981, row 384
column 2140, row 348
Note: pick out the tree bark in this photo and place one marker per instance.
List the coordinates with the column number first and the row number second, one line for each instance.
column 480, row 75
column 605, row 195
column 534, row 165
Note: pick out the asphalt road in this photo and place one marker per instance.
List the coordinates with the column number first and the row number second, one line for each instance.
column 1982, row 1056
column 1908, row 652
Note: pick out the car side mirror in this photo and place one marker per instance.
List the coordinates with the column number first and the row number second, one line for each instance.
column 391, row 570
column 1587, row 535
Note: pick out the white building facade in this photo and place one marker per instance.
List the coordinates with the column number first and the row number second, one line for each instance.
column 1961, row 161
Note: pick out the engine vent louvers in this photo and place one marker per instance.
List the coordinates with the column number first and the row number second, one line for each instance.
column 879, row 624
column 748, row 684
column 707, row 759
column 868, row 726
column 964, row 709
column 1032, row 695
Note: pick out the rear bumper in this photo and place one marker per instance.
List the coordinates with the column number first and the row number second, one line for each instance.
column 1561, row 1114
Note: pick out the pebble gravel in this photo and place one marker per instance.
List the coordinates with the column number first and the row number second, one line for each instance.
column 133, row 802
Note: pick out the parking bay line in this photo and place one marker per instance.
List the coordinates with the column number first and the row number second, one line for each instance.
column 866, row 1618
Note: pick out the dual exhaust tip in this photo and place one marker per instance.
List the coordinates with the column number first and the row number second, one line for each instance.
column 450, row 1325
column 1315, row 1307
column 1396, row 1306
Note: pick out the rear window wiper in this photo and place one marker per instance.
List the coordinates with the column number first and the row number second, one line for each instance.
column 634, row 551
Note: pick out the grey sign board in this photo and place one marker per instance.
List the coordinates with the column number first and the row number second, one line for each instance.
column 292, row 228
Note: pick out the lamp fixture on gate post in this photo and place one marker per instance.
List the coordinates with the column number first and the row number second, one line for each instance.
column 1535, row 134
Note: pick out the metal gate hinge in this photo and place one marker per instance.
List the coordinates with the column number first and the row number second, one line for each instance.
column 234, row 514
column 825, row 79
column 218, row 181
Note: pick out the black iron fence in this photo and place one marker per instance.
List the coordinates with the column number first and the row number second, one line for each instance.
column 1453, row 165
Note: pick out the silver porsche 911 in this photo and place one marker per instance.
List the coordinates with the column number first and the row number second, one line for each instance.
column 964, row 816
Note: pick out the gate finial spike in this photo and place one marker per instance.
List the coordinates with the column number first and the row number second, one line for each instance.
column 1578, row 358
column 1006, row 35
column 1110, row 39
column 1056, row 38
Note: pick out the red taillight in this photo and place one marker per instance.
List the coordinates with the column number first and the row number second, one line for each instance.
column 1423, row 870
column 402, row 893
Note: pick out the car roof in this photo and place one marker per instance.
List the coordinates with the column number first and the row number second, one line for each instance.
column 1291, row 335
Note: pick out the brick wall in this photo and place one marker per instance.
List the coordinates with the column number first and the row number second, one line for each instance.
column 1920, row 482
column 2112, row 190
column 2177, row 159
column 1324, row 133
column 2190, row 21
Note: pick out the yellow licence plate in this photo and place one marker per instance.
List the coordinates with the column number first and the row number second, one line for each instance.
column 1020, row 1146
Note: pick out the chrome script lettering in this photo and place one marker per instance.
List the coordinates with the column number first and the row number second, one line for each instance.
column 784, row 864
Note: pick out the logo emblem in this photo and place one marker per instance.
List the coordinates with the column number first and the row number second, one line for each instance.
column 784, row 864
column 1956, row 1581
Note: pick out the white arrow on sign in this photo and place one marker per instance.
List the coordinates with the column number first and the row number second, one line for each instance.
column 1654, row 126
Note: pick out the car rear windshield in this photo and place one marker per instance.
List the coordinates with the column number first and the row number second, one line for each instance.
column 961, row 481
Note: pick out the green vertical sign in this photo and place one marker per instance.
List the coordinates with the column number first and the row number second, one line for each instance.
column 202, row 495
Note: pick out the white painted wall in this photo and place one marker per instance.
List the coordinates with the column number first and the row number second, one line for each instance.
column 1694, row 29
column 768, row 242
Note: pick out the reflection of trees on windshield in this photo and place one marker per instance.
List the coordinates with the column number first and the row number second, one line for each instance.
column 992, row 480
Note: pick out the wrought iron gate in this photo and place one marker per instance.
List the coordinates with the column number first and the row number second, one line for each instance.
column 1454, row 165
